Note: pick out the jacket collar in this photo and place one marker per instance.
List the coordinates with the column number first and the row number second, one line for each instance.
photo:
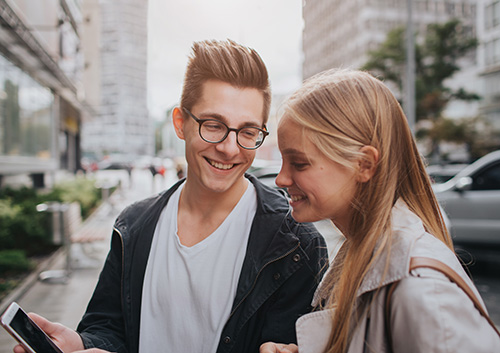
column 406, row 228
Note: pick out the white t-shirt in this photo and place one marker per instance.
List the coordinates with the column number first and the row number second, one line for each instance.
column 188, row 292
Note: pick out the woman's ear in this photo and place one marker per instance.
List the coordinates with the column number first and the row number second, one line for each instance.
column 367, row 163
column 178, row 121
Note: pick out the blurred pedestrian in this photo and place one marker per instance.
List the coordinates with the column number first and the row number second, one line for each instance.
column 349, row 156
column 216, row 263
column 180, row 172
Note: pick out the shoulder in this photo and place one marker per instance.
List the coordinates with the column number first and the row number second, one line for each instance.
column 270, row 200
column 143, row 211
column 438, row 314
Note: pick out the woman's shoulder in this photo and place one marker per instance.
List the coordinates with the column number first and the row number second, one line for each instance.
column 437, row 311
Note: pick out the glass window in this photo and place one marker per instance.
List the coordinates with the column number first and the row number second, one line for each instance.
column 488, row 179
column 25, row 114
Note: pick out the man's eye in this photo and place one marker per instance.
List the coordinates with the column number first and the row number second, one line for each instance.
column 213, row 126
column 249, row 133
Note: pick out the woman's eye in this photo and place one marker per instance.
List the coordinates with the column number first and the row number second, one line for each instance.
column 299, row 166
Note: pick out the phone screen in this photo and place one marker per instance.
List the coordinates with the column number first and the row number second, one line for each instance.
column 32, row 334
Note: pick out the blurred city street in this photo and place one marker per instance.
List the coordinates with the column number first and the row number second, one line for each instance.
column 66, row 302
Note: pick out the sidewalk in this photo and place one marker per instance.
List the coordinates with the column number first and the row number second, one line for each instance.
column 66, row 303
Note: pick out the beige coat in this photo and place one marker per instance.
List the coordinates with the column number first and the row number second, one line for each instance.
column 429, row 313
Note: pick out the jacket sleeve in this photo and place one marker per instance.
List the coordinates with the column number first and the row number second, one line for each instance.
column 294, row 297
column 432, row 314
column 102, row 325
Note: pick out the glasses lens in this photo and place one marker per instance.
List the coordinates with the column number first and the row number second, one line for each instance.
column 213, row 130
column 250, row 137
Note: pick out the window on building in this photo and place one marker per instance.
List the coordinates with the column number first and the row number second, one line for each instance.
column 492, row 15
column 25, row 114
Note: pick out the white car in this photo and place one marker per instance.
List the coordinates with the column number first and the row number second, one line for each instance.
column 471, row 200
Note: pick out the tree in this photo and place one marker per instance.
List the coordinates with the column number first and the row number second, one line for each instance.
column 437, row 58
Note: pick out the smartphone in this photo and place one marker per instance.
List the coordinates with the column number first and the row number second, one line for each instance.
column 26, row 332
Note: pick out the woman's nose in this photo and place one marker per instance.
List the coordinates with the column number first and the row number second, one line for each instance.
column 282, row 179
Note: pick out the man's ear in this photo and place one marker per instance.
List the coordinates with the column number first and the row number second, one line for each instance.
column 367, row 163
column 178, row 121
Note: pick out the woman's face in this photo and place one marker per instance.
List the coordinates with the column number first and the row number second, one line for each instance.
column 319, row 187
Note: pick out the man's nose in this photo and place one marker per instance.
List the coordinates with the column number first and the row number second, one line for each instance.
column 230, row 144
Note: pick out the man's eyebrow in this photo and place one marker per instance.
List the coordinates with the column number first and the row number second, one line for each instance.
column 220, row 117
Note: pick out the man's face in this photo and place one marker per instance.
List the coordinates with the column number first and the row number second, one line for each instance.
column 219, row 167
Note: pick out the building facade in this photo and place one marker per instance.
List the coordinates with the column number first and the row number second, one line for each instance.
column 120, row 64
column 41, row 96
column 488, row 20
column 339, row 33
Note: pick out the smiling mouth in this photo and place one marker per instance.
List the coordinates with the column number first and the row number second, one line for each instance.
column 296, row 198
column 218, row 165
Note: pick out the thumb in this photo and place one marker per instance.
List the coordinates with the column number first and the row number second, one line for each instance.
column 48, row 327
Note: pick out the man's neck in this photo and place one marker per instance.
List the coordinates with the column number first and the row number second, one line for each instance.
column 198, row 199
column 201, row 212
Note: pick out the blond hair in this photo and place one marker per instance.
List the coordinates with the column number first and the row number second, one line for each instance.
column 225, row 61
column 341, row 111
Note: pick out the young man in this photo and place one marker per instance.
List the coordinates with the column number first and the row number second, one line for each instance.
column 216, row 263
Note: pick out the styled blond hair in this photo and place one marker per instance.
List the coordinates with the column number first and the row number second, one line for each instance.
column 225, row 61
column 341, row 111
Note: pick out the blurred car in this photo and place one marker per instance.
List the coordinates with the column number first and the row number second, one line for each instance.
column 267, row 174
column 471, row 199
column 115, row 161
column 442, row 173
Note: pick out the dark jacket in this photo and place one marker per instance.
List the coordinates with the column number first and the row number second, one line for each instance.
column 283, row 265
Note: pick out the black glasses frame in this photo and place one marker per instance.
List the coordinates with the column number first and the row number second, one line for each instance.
column 228, row 130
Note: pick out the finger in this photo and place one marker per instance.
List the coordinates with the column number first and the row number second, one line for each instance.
column 42, row 322
column 19, row 349
column 290, row 348
column 268, row 347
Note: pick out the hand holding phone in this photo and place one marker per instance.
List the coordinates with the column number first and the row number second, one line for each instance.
column 26, row 332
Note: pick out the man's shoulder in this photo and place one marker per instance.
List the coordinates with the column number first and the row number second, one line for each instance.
column 146, row 206
column 272, row 200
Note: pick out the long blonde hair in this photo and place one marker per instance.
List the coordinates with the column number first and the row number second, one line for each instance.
column 341, row 111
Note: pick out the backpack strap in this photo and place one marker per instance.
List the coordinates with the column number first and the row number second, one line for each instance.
column 417, row 262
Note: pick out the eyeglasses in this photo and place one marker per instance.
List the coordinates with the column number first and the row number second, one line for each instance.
column 215, row 131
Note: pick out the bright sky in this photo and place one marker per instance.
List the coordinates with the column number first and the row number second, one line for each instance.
column 272, row 27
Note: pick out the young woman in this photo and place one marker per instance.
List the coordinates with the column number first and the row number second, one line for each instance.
column 349, row 156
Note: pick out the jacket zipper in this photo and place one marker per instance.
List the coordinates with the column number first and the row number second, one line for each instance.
column 257, row 277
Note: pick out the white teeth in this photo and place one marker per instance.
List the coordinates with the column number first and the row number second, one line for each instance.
column 220, row 165
column 297, row 198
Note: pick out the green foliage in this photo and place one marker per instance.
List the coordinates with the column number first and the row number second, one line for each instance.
column 476, row 133
column 81, row 190
column 25, row 232
column 436, row 59
column 388, row 60
column 23, row 227
column 14, row 262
